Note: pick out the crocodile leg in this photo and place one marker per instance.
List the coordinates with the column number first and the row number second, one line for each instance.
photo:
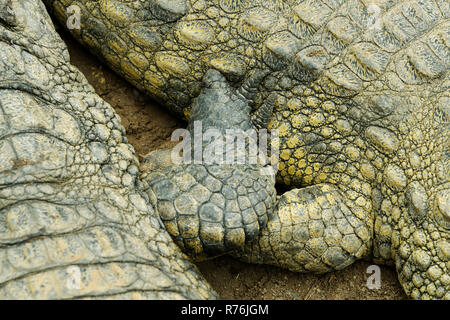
column 74, row 219
column 313, row 230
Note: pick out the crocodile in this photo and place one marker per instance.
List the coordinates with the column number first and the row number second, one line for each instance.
column 362, row 115
column 75, row 220
column 358, row 91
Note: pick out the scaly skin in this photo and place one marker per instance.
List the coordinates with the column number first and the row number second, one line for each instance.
column 213, row 208
column 362, row 110
column 71, row 202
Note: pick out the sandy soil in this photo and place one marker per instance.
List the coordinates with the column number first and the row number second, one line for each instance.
column 149, row 127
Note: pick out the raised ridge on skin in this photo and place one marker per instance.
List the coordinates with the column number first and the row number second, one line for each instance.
column 254, row 24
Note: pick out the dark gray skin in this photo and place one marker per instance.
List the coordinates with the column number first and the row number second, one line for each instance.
column 211, row 209
column 73, row 202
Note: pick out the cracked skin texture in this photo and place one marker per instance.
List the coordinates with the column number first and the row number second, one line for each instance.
column 70, row 197
column 372, row 131
column 362, row 112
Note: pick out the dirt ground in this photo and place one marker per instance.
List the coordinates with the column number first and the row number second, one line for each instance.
column 149, row 127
